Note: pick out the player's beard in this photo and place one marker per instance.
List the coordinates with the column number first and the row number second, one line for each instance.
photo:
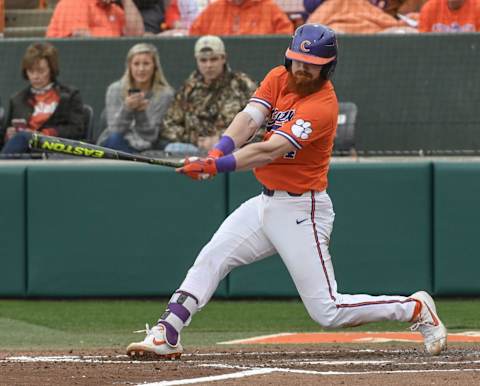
column 301, row 83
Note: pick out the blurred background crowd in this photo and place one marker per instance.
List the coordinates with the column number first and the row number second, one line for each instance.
column 142, row 111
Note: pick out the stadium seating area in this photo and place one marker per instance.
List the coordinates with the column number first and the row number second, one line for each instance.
column 30, row 18
column 27, row 18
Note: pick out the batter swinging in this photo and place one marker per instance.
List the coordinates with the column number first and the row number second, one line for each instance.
column 293, row 216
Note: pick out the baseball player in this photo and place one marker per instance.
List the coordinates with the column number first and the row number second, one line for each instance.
column 293, row 215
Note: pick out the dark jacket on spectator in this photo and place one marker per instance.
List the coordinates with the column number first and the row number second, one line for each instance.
column 67, row 119
column 153, row 14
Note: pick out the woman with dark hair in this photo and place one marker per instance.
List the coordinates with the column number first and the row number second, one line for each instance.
column 45, row 106
column 136, row 103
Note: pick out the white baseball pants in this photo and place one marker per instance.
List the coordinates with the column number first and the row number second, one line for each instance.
column 298, row 228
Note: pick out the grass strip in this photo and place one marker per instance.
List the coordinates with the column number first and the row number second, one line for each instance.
column 82, row 324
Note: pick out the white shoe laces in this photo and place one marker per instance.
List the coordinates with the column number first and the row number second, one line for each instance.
column 427, row 329
column 147, row 330
column 418, row 325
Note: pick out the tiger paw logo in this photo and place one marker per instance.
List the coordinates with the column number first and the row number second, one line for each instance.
column 302, row 129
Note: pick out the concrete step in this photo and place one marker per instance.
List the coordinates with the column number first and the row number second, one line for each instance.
column 27, row 17
column 25, row 32
column 21, row 4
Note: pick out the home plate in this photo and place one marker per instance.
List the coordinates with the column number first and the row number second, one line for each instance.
column 349, row 337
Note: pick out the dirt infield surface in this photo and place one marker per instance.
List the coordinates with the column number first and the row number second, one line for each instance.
column 325, row 364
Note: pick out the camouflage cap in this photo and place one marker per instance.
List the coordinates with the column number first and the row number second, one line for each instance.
column 209, row 43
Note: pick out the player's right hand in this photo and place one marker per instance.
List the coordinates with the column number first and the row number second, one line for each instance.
column 215, row 153
column 198, row 168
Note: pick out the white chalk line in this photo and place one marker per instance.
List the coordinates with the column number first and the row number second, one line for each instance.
column 105, row 358
column 247, row 371
column 213, row 378
column 66, row 358
column 119, row 359
column 285, row 362
column 262, row 371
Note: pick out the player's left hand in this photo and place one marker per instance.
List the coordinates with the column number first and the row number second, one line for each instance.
column 198, row 168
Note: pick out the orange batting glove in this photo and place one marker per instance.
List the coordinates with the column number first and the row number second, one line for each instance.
column 198, row 168
column 215, row 153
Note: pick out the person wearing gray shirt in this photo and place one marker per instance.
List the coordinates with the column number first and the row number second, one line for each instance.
column 136, row 103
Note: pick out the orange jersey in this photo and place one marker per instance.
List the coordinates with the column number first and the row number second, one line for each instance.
column 309, row 123
column 251, row 17
column 44, row 105
column 435, row 16
column 70, row 17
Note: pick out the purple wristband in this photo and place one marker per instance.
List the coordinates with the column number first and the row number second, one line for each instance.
column 225, row 145
column 226, row 164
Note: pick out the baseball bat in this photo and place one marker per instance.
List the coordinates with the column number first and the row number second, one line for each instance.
column 82, row 149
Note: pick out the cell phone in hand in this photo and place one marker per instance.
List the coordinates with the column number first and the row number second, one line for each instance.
column 133, row 91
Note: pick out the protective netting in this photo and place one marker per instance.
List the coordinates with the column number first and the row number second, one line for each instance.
column 414, row 94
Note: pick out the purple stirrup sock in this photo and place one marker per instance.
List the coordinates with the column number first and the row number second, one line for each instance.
column 171, row 334
column 226, row 164
column 181, row 307
column 226, row 145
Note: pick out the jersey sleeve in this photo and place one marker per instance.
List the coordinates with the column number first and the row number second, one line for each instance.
column 266, row 92
column 477, row 13
column 310, row 123
column 425, row 18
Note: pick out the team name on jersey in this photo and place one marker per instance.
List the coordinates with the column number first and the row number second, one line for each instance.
column 453, row 27
column 278, row 118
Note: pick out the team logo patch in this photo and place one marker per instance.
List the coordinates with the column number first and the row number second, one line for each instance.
column 304, row 45
column 302, row 129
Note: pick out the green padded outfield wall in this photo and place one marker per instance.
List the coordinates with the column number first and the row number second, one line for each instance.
column 457, row 219
column 12, row 231
column 381, row 242
column 81, row 229
column 116, row 229
column 382, row 236
column 413, row 91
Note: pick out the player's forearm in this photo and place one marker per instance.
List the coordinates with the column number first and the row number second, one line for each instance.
column 257, row 154
column 241, row 129
column 133, row 19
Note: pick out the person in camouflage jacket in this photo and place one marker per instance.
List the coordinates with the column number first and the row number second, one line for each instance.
column 209, row 98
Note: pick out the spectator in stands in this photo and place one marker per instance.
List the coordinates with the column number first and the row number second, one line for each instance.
column 153, row 15
column 392, row 7
column 403, row 7
column 136, row 104
column 450, row 16
column 98, row 18
column 242, row 17
column 355, row 16
column 210, row 97
column 180, row 15
column 311, row 5
column 46, row 105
